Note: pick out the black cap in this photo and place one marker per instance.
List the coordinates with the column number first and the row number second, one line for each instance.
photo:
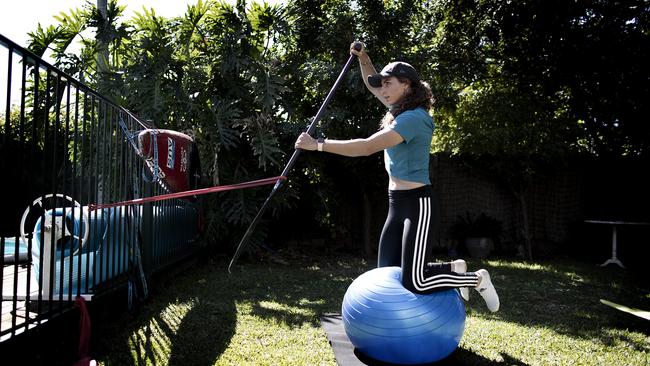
column 398, row 69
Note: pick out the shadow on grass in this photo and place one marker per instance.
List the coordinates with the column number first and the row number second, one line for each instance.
column 177, row 325
column 463, row 357
column 564, row 296
column 460, row 357
column 191, row 317
column 202, row 344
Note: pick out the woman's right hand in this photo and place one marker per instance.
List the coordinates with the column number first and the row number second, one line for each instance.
column 306, row 142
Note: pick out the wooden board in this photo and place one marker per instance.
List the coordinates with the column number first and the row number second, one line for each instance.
column 626, row 309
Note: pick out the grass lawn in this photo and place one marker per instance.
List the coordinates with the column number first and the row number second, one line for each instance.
column 268, row 314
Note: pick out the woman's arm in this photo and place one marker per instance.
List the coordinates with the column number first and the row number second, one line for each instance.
column 367, row 68
column 357, row 147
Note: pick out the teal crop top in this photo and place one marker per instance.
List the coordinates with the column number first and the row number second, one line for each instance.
column 409, row 160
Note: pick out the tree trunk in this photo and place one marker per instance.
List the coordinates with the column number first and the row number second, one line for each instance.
column 102, row 45
column 520, row 193
column 215, row 168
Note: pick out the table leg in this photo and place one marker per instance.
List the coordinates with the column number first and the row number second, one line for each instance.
column 613, row 259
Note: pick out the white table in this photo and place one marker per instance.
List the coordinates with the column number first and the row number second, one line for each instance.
column 614, row 224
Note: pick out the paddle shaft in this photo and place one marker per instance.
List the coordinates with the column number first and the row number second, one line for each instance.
column 292, row 160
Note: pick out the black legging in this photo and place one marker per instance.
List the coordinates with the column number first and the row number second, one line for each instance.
column 404, row 239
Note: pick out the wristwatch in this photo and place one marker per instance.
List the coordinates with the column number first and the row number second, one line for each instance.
column 321, row 142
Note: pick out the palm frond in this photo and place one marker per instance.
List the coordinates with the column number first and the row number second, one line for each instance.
column 41, row 39
column 262, row 139
column 224, row 114
column 189, row 25
column 267, row 89
column 71, row 25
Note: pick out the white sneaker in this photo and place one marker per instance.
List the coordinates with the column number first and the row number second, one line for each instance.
column 460, row 266
column 487, row 291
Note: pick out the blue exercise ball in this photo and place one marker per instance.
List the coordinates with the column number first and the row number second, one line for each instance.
column 389, row 323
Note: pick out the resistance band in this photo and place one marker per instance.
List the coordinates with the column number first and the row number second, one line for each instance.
column 194, row 192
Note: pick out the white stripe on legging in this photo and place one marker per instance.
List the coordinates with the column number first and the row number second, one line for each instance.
column 421, row 238
column 417, row 273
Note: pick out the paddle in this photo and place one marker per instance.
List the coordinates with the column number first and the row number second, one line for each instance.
column 292, row 161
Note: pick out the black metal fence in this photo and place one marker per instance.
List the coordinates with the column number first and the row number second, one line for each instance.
column 64, row 149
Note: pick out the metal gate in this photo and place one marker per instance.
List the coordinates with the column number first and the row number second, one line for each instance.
column 63, row 149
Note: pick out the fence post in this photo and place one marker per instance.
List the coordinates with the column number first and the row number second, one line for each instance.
column 147, row 244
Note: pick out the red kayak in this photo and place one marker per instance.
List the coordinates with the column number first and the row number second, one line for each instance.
column 171, row 157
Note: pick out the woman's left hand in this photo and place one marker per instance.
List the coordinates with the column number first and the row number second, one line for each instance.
column 306, row 142
column 354, row 51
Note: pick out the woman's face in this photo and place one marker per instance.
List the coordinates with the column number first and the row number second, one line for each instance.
column 393, row 90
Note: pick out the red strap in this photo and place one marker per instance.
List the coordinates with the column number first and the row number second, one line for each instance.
column 84, row 330
column 195, row 192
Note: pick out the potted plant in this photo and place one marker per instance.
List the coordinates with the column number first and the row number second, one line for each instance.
column 478, row 232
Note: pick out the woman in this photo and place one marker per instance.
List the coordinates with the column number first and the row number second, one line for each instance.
column 405, row 137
